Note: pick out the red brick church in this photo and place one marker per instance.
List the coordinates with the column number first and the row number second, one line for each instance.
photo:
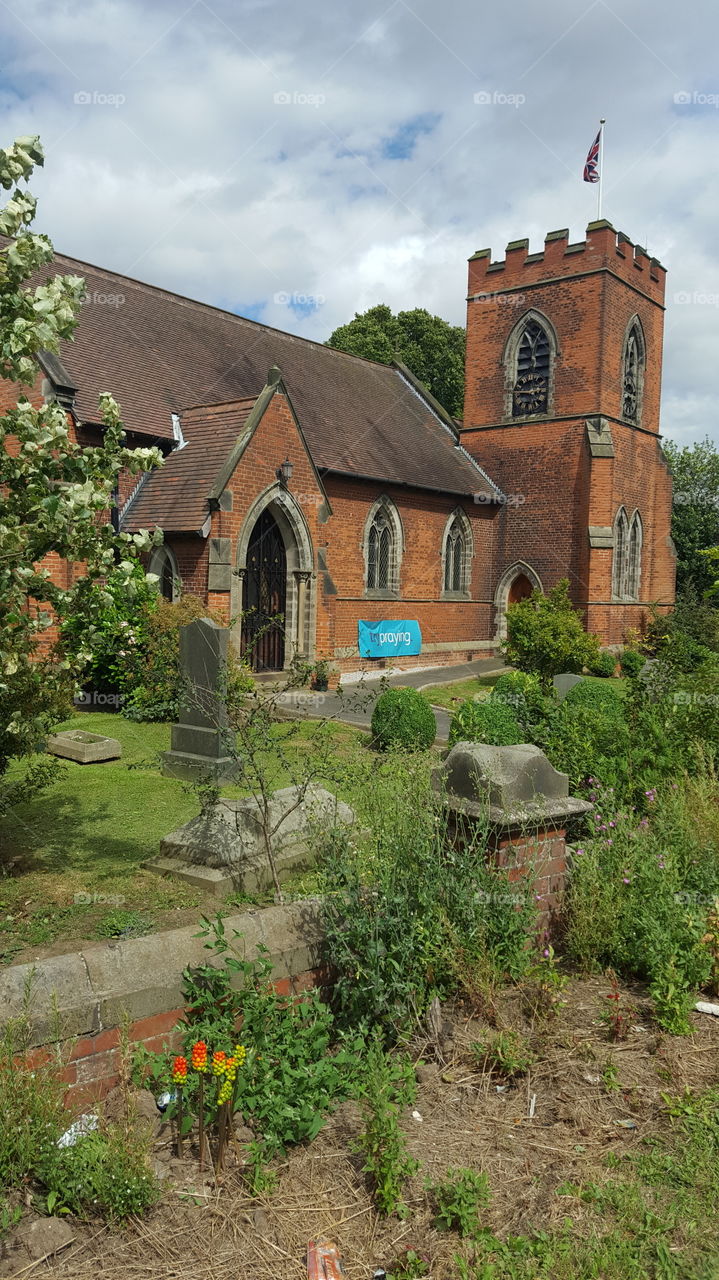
column 324, row 490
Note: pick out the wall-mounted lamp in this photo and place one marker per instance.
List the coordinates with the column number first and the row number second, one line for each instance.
column 284, row 472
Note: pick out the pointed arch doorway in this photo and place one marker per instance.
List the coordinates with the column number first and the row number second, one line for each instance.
column 516, row 583
column 265, row 606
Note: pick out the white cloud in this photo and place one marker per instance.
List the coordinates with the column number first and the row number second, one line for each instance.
column 201, row 181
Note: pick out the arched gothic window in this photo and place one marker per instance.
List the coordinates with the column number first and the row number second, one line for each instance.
column 457, row 554
column 164, row 565
column 634, row 557
column 627, row 559
column 383, row 547
column 633, row 372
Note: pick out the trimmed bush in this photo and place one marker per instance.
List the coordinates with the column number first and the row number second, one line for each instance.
column 631, row 662
column 491, row 722
column 589, row 694
column 517, row 689
column 605, row 664
column 403, row 718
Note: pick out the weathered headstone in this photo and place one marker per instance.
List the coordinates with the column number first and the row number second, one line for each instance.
column 224, row 847
column 564, row 682
column 201, row 740
column 84, row 748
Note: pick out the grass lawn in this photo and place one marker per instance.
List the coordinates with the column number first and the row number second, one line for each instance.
column 70, row 860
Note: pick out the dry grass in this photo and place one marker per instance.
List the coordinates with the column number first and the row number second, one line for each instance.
column 224, row 1233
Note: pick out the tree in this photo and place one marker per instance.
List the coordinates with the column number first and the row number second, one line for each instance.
column 52, row 491
column 545, row 635
column 695, row 515
column 428, row 345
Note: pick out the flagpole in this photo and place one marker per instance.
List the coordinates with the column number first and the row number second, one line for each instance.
column 601, row 170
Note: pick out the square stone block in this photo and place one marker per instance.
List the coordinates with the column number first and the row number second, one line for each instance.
column 84, row 748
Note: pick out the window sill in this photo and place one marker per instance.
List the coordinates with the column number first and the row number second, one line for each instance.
column 375, row 594
column 455, row 595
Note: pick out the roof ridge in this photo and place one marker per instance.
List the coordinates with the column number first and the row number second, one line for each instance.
column 184, row 299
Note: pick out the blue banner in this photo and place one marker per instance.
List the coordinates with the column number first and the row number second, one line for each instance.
column 388, row 639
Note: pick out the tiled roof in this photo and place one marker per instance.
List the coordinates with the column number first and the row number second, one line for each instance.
column 158, row 352
column 174, row 497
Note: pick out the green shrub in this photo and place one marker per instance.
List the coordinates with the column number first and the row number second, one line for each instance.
column 523, row 693
column 403, row 718
column 492, row 722
column 152, row 677
column 590, row 694
column 406, row 916
column 605, row 664
column 545, row 635
column 641, row 890
column 104, row 1172
column 588, row 737
column 631, row 662
column 119, row 633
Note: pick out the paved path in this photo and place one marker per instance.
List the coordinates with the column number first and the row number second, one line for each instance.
column 356, row 704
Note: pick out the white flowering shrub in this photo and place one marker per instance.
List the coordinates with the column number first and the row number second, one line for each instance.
column 52, row 490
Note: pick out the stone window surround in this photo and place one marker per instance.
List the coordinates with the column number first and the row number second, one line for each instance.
column 458, row 516
column 627, row 557
column 634, row 327
column 162, row 556
column 384, row 506
column 509, row 362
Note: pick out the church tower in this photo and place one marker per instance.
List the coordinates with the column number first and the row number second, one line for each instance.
column 563, row 379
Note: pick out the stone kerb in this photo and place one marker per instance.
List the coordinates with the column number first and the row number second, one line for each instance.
column 520, row 803
column 90, row 992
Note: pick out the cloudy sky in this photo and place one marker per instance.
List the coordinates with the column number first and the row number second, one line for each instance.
column 298, row 162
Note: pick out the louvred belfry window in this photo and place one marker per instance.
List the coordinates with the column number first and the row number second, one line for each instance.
column 633, row 360
column 531, row 386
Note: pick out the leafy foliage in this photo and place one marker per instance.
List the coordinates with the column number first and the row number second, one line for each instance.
column 104, row 1172
column 406, row 915
column 403, row 718
column 605, row 664
column 641, row 892
column 151, row 675
column 295, row 1069
column 54, row 489
column 428, row 345
column 492, row 721
column 631, row 662
column 695, row 512
column 381, row 1142
column 460, row 1197
column 545, row 635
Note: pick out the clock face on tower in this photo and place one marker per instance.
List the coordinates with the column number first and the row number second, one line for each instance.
column 530, row 393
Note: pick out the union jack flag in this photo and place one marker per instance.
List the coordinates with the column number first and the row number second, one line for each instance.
column 591, row 173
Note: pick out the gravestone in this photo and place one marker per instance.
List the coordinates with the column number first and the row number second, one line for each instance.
column 223, row 848
column 83, row 748
column 564, row 682
column 200, row 740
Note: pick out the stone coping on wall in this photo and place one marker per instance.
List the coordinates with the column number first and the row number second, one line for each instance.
column 87, row 992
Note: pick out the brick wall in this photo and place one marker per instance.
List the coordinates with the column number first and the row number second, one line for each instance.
column 589, row 293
